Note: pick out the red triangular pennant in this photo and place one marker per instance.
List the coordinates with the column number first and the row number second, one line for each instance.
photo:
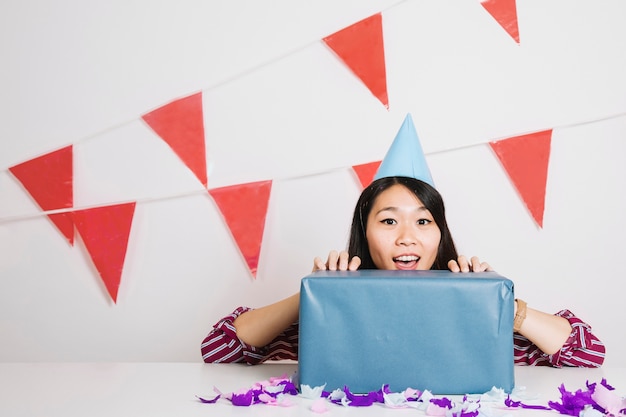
column 105, row 231
column 525, row 159
column 505, row 13
column 181, row 125
column 244, row 208
column 361, row 47
column 49, row 180
column 366, row 172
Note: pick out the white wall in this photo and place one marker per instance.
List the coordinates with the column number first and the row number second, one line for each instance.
column 279, row 105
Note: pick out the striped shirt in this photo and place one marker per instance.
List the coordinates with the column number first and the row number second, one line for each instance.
column 582, row 348
column 223, row 346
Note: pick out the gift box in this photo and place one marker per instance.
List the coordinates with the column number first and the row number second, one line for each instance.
column 449, row 333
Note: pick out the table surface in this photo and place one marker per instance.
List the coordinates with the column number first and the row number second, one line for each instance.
column 170, row 389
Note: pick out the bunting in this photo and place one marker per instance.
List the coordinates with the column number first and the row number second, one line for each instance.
column 361, row 47
column 181, row 125
column 365, row 172
column 525, row 159
column 244, row 208
column 105, row 232
column 49, row 180
column 505, row 13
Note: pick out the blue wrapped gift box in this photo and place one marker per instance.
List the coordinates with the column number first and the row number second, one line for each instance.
column 449, row 333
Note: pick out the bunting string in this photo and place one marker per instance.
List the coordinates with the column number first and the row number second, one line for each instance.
column 147, row 200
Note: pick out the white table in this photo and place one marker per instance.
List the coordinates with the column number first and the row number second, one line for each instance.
column 169, row 389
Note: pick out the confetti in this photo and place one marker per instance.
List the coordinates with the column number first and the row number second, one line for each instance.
column 595, row 400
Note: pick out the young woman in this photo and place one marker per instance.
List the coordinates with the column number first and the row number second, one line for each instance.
column 399, row 223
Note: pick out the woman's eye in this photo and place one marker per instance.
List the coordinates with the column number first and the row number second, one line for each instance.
column 388, row 221
column 424, row 221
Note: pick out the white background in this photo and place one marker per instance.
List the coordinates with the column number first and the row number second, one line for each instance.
column 279, row 105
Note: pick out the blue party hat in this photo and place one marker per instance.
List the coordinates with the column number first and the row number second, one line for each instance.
column 405, row 157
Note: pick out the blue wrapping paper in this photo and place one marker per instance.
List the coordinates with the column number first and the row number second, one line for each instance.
column 429, row 330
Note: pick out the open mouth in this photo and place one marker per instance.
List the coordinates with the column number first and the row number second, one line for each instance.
column 406, row 261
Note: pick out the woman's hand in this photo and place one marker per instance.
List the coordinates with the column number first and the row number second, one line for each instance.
column 337, row 261
column 463, row 265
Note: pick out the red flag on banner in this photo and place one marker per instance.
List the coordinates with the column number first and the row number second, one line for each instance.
column 361, row 47
column 505, row 13
column 105, row 231
column 244, row 208
column 366, row 172
column 525, row 159
column 49, row 180
column 181, row 125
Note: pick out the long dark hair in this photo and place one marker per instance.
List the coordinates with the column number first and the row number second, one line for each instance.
column 431, row 199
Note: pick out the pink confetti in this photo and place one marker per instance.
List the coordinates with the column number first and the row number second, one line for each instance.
column 609, row 400
column 320, row 406
column 435, row 410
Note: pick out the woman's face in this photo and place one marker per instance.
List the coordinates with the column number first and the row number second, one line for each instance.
column 401, row 232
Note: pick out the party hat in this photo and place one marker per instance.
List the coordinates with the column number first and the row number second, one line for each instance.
column 405, row 157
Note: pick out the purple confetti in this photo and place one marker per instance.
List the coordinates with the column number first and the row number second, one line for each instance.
column 442, row 402
column 289, row 388
column 518, row 404
column 211, row 401
column 361, row 400
column 571, row 403
column 242, row 400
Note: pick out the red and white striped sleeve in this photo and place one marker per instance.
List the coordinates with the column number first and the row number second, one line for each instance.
column 582, row 348
column 222, row 345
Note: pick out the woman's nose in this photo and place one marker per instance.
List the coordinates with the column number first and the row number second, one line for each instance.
column 406, row 236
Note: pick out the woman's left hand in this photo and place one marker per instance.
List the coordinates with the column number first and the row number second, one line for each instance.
column 464, row 265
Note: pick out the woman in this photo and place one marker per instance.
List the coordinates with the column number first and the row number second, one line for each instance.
column 399, row 223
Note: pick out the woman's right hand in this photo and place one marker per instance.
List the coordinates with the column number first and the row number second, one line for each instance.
column 337, row 261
